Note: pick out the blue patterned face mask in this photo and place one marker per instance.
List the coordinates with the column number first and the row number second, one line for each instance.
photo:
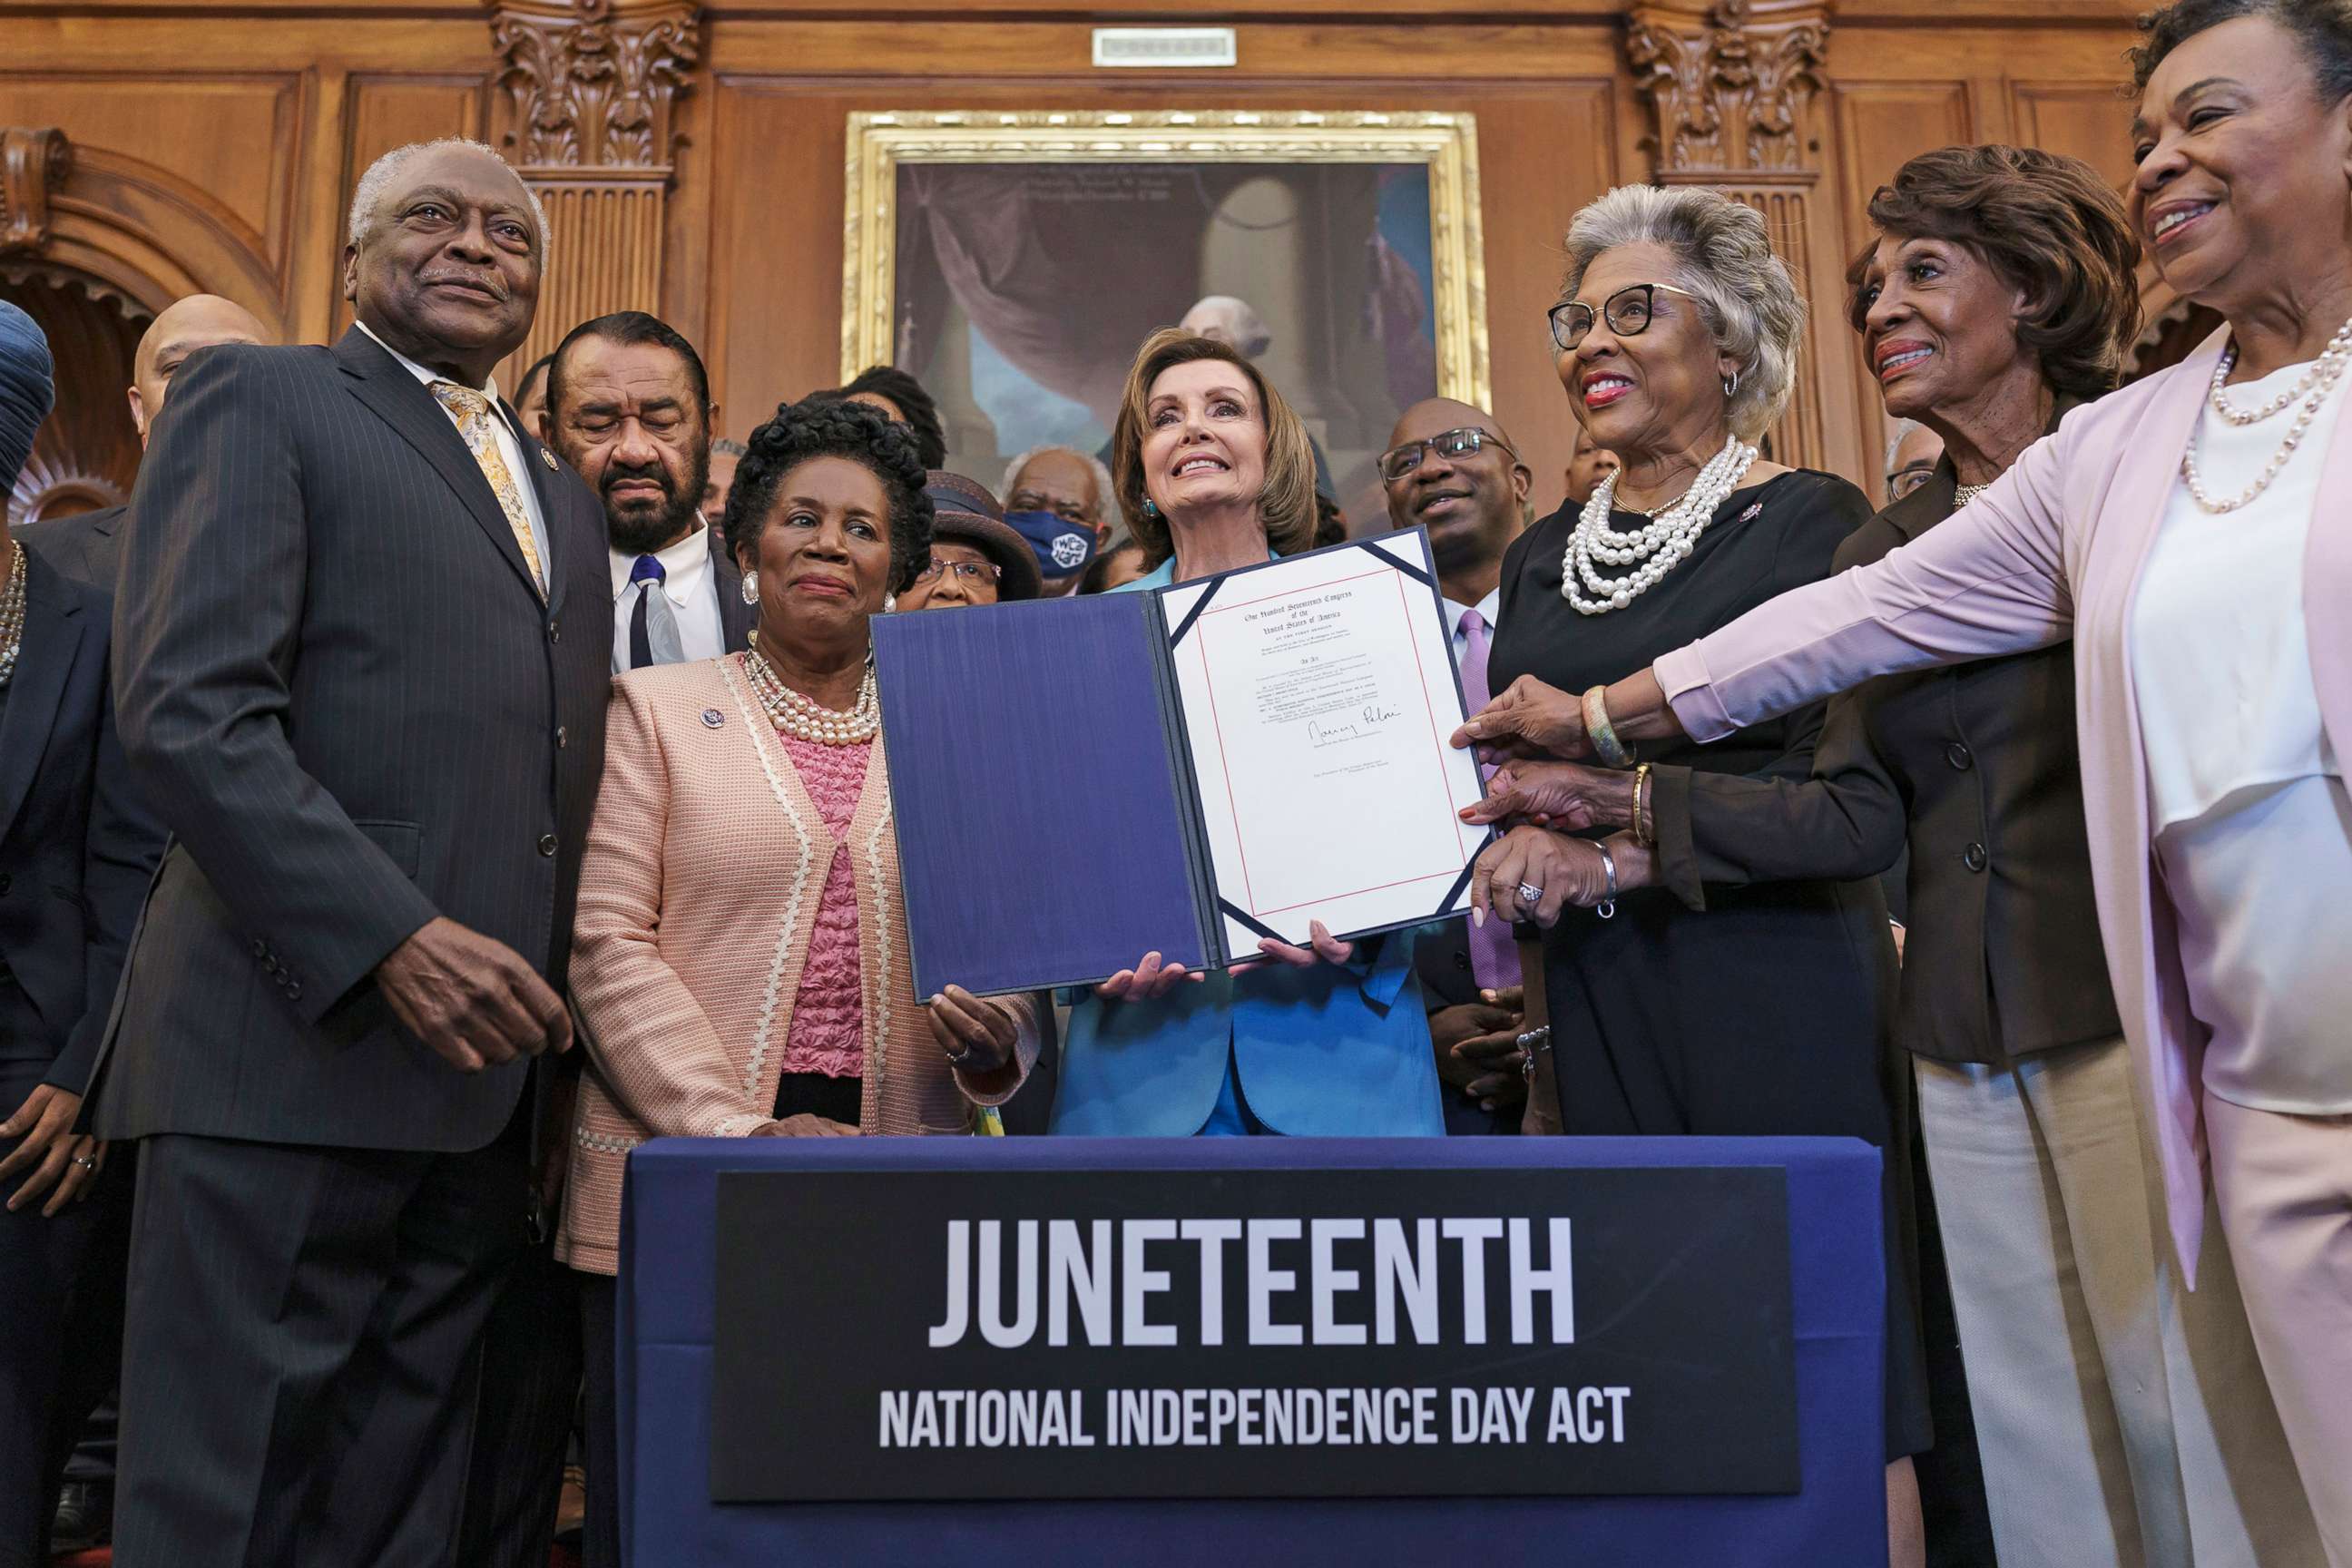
column 1063, row 547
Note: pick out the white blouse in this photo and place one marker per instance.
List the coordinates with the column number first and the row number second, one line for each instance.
column 2251, row 822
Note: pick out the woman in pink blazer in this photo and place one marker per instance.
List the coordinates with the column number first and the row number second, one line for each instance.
column 739, row 958
column 2190, row 534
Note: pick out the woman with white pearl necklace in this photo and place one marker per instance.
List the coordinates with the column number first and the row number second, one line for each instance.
column 2196, row 547
column 1756, row 1009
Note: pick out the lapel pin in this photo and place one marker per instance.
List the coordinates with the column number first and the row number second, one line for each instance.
column 547, row 457
column 713, row 716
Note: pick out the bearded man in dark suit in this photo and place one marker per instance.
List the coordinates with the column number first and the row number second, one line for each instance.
column 363, row 635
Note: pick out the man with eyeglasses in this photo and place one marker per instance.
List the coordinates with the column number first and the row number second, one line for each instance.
column 1451, row 468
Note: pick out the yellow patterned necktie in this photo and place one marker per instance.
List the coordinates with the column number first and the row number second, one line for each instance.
column 471, row 410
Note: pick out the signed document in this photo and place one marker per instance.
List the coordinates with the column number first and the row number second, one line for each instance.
column 1316, row 694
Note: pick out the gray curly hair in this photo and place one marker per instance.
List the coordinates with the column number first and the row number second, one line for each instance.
column 1103, row 487
column 1723, row 258
column 368, row 194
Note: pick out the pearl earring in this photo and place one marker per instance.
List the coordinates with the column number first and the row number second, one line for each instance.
column 889, row 603
column 750, row 587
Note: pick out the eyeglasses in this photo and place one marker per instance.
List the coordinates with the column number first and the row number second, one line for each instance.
column 975, row 572
column 1398, row 462
column 1068, row 511
column 1909, row 478
column 1627, row 312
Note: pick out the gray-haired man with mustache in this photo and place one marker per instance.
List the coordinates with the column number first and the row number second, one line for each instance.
column 361, row 654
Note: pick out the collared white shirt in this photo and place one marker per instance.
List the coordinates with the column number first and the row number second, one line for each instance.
column 687, row 583
column 1488, row 608
column 511, row 448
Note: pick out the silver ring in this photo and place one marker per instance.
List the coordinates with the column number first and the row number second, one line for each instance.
column 1529, row 893
column 85, row 1162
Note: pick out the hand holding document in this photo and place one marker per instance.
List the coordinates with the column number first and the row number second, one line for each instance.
column 1268, row 748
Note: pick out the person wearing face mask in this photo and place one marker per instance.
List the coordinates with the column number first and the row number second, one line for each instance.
column 630, row 408
column 1059, row 499
column 1450, row 469
column 1330, row 1040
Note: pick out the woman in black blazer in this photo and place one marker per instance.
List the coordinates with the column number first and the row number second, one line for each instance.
column 75, row 853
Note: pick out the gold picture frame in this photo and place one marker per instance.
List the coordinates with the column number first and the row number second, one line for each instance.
column 882, row 144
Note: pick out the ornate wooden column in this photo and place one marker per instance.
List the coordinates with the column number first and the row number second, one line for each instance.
column 582, row 105
column 1731, row 91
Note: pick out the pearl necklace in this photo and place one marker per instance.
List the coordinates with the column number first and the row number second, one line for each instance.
column 2313, row 390
column 1963, row 494
column 1651, row 550
column 805, row 719
column 12, row 614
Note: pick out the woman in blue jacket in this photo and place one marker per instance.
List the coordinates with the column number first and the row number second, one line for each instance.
column 1216, row 472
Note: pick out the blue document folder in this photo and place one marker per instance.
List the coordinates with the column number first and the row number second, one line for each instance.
column 1050, row 829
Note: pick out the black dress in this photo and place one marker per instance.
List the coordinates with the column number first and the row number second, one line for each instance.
column 1767, row 1012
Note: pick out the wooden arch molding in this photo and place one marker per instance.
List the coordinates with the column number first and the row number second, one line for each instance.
column 152, row 237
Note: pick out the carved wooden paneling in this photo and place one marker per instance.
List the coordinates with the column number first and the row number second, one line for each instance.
column 584, row 106
column 235, row 137
column 86, row 454
column 1880, row 126
column 2090, row 120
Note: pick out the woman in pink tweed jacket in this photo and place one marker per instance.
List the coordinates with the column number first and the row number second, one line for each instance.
column 739, row 956
column 2199, row 550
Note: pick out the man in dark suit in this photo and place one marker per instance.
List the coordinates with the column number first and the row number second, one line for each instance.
column 628, row 406
column 1451, row 468
column 362, row 672
column 85, row 545
column 76, row 851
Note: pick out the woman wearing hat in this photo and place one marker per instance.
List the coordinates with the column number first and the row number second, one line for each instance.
column 977, row 558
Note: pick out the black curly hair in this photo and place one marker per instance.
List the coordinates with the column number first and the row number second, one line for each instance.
column 823, row 426
column 906, row 395
column 2324, row 28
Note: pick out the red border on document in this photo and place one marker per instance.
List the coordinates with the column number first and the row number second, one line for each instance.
column 1429, row 710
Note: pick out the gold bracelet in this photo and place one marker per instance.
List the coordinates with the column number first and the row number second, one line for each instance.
column 1612, row 752
column 1644, row 791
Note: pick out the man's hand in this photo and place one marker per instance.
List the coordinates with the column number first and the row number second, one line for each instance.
column 49, row 1149
column 471, row 997
column 1477, row 1049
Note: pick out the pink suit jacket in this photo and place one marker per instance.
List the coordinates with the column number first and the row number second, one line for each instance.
column 2055, row 549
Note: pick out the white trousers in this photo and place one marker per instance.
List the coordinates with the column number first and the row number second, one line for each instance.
column 2285, row 1184
column 2123, row 1422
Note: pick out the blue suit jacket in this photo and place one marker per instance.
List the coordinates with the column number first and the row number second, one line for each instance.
column 1334, row 1051
column 76, row 848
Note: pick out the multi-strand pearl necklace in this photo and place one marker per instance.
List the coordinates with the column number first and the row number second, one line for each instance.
column 12, row 614
column 1651, row 550
column 2312, row 392
column 805, row 719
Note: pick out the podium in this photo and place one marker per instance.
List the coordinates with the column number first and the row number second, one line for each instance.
column 668, row 1332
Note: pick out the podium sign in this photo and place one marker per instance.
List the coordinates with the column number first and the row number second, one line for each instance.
column 1295, row 1332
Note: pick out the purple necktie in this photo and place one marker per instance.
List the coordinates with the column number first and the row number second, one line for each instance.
column 1493, row 955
